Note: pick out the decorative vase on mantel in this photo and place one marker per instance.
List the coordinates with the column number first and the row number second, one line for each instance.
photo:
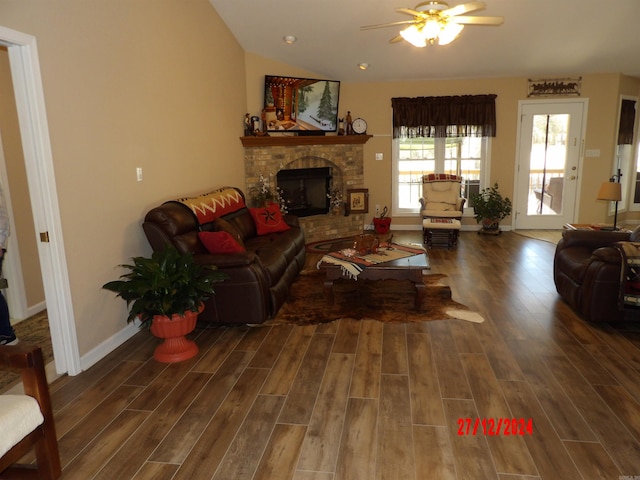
column 335, row 210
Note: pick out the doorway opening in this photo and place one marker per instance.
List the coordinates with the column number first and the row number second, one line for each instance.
column 34, row 130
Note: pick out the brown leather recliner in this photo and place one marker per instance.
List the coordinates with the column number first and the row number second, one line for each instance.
column 586, row 272
column 258, row 279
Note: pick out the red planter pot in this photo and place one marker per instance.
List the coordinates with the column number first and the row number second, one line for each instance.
column 382, row 224
column 176, row 347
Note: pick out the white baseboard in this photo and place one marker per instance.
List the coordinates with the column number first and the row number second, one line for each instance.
column 31, row 311
column 37, row 308
column 109, row 345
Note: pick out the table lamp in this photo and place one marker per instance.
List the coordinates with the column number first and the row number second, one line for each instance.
column 612, row 191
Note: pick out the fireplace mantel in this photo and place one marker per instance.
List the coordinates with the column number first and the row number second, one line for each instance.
column 277, row 141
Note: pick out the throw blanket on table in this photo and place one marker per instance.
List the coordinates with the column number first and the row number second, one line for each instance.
column 209, row 206
column 629, row 274
column 352, row 265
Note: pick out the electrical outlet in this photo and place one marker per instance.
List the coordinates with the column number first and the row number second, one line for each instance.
column 377, row 210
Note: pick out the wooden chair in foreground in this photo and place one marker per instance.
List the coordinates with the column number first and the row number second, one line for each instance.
column 27, row 424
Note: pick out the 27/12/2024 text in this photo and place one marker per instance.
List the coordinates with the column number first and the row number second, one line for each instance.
column 495, row 426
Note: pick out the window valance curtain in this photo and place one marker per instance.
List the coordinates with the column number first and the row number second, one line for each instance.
column 436, row 117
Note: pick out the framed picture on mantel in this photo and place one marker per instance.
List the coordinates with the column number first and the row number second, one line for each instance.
column 358, row 200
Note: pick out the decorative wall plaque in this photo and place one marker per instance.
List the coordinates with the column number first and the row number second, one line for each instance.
column 549, row 87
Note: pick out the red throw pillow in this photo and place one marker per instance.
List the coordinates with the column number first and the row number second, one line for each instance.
column 220, row 242
column 268, row 219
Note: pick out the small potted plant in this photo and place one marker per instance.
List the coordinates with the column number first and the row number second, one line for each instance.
column 167, row 292
column 263, row 194
column 336, row 199
column 490, row 208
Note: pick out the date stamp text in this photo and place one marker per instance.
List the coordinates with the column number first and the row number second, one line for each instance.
column 495, row 426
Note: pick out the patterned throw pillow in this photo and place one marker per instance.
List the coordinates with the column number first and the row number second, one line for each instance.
column 268, row 219
column 220, row 242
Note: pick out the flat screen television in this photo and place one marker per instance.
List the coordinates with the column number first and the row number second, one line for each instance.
column 302, row 105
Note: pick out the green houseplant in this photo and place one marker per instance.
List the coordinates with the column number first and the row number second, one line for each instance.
column 167, row 292
column 490, row 208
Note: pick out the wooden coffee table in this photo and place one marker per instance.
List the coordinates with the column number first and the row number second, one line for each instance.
column 409, row 268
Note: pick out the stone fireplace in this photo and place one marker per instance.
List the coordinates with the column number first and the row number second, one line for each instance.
column 341, row 155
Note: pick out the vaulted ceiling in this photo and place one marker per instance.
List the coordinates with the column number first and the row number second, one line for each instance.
column 538, row 39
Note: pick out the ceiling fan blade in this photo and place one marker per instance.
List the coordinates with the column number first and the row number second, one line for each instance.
column 463, row 8
column 396, row 39
column 470, row 20
column 384, row 25
column 409, row 11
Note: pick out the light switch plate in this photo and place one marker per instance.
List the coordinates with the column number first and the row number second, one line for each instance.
column 379, row 156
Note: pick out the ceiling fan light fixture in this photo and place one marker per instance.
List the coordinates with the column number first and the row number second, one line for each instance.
column 435, row 23
column 289, row 39
column 363, row 66
column 449, row 33
column 431, row 30
column 414, row 36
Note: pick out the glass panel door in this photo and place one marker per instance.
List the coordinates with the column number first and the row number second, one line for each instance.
column 548, row 160
column 547, row 163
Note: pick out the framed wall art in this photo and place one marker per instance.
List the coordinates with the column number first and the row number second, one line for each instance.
column 358, row 200
column 555, row 86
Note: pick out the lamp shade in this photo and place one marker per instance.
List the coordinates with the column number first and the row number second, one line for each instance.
column 611, row 191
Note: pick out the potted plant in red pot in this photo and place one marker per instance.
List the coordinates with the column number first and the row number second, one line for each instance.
column 166, row 292
column 490, row 208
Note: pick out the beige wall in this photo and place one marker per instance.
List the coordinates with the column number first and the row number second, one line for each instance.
column 24, row 236
column 161, row 84
column 372, row 101
column 157, row 84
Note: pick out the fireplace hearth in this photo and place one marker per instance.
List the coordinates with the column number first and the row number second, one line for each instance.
column 305, row 190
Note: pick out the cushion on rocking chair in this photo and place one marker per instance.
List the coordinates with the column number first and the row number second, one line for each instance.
column 19, row 416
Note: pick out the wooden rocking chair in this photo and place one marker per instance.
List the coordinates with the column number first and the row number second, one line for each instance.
column 35, row 428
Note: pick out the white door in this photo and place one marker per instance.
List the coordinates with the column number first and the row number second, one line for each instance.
column 550, row 140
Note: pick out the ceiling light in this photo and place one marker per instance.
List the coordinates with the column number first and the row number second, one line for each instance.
column 413, row 35
column 449, row 33
column 431, row 31
column 289, row 39
column 434, row 22
column 363, row 66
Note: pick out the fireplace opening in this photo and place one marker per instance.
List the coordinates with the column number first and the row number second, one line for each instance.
column 305, row 190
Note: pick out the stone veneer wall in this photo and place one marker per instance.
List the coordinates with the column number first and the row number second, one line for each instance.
column 348, row 172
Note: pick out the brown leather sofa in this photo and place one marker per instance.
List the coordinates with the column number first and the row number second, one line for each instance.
column 586, row 272
column 259, row 278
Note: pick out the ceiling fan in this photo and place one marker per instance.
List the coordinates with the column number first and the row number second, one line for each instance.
column 434, row 21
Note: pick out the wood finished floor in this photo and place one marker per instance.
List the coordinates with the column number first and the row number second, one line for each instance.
column 365, row 400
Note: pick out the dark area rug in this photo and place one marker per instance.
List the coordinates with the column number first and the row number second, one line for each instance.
column 35, row 331
column 382, row 300
column 325, row 246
